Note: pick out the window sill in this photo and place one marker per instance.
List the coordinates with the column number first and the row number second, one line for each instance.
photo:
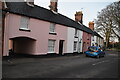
column 74, row 51
column 76, row 36
column 53, row 33
column 23, row 29
column 54, row 12
column 50, row 52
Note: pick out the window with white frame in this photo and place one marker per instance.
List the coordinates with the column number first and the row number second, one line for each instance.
column 51, row 45
column 75, row 46
column 92, row 38
column 76, row 33
column 52, row 27
column 24, row 23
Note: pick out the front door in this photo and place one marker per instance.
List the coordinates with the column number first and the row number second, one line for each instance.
column 61, row 46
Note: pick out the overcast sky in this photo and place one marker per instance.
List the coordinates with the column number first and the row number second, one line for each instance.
column 68, row 8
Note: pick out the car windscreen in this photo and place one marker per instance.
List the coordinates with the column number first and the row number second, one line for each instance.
column 92, row 48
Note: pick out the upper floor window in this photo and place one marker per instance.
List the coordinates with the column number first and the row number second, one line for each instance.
column 92, row 38
column 24, row 23
column 52, row 27
column 76, row 33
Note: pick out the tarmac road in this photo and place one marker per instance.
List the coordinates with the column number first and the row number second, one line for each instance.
column 77, row 66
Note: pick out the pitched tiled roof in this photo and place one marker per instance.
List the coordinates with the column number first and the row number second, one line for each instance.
column 96, row 34
column 41, row 13
column 88, row 29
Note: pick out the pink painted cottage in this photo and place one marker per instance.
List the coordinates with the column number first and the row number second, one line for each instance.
column 33, row 30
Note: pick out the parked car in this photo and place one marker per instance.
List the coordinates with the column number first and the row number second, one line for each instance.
column 94, row 51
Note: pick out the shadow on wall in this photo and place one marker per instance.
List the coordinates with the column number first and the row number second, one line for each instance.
column 22, row 45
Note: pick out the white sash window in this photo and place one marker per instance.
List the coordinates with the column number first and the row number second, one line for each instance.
column 52, row 28
column 51, row 45
column 24, row 23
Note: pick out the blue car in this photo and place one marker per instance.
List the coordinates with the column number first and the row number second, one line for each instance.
column 94, row 51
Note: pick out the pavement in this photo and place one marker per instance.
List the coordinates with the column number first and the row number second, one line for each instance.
column 74, row 66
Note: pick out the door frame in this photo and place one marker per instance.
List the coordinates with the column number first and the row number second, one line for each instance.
column 61, row 47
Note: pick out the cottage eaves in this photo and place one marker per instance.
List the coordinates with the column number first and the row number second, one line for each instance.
column 41, row 13
column 96, row 34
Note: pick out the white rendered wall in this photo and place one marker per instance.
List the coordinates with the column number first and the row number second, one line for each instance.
column 70, row 40
column 92, row 40
column 95, row 39
column 80, row 45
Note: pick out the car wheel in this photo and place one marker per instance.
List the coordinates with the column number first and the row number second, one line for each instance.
column 86, row 55
column 104, row 54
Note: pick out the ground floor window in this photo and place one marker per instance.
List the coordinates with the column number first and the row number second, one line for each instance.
column 51, row 45
column 75, row 46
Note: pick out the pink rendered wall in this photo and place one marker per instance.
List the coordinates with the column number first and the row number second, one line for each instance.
column 86, row 41
column 39, row 32
column 61, row 35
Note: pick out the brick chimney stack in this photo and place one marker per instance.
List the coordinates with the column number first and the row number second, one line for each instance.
column 3, row 4
column 30, row 2
column 53, row 5
column 91, row 25
column 79, row 17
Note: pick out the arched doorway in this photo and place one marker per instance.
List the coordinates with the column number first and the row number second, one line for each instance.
column 22, row 45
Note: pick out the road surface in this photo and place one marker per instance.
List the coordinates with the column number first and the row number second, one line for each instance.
column 77, row 66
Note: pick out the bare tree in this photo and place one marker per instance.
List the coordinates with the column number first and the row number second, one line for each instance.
column 115, row 8
column 108, row 21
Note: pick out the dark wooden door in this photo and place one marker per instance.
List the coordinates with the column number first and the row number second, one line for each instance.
column 61, row 42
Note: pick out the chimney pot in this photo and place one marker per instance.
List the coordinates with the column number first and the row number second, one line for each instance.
column 30, row 2
column 79, row 17
column 3, row 4
column 53, row 5
column 91, row 25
